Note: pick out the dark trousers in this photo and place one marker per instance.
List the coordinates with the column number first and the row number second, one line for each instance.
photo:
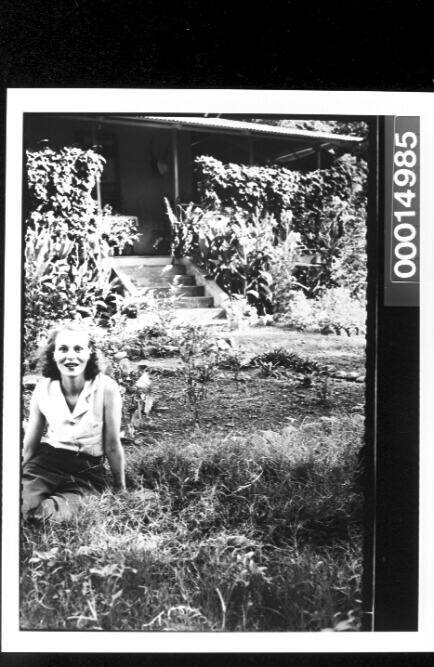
column 55, row 481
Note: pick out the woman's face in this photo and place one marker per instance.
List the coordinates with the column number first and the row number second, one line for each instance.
column 71, row 353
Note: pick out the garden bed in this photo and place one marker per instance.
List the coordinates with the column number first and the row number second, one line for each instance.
column 245, row 406
column 254, row 402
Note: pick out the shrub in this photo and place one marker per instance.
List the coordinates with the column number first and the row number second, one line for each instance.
column 183, row 228
column 45, row 293
column 297, row 311
column 200, row 354
column 328, row 210
column 253, row 222
column 337, row 310
column 240, row 313
column 250, row 219
column 333, row 312
column 235, row 248
column 288, row 359
column 119, row 232
column 310, row 372
column 283, row 265
column 238, row 186
column 67, row 243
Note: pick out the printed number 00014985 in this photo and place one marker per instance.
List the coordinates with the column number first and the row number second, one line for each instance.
column 404, row 232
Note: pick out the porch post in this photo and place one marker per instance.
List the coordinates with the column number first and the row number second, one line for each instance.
column 175, row 166
column 318, row 158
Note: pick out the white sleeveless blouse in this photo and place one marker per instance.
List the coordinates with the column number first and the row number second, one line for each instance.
column 79, row 430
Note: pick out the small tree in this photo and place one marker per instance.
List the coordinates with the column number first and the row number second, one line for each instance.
column 200, row 354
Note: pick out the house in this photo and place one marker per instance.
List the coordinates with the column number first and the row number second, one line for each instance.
column 151, row 157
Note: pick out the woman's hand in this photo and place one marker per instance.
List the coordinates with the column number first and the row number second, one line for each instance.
column 34, row 430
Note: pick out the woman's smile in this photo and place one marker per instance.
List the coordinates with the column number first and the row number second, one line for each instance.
column 72, row 365
column 71, row 353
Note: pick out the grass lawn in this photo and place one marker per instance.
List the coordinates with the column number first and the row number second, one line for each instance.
column 246, row 521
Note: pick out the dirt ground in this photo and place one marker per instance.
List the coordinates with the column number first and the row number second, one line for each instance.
column 254, row 402
column 346, row 353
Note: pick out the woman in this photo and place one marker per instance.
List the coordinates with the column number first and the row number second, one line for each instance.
column 75, row 416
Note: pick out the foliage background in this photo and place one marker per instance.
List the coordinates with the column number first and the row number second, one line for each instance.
column 219, row 530
column 278, row 237
column 327, row 208
column 67, row 241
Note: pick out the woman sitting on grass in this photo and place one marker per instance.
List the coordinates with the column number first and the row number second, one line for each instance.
column 74, row 421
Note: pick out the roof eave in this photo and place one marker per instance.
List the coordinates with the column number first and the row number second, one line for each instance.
column 316, row 137
column 165, row 123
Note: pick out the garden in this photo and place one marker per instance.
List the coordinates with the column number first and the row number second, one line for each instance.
column 243, row 505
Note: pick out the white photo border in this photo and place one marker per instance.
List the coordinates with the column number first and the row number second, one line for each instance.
column 174, row 101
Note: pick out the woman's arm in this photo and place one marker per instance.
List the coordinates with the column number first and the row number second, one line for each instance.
column 112, row 429
column 34, row 430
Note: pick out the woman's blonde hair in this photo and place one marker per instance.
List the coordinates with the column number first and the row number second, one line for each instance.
column 46, row 357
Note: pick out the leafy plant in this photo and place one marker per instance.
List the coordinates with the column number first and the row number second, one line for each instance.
column 67, row 241
column 267, row 369
column 246, row 188
column 160, row 309
column 253, row 222
column 328, row 209
column 312, row 373
column 232, row 359
column 183, row 226
column 333, row 311
column 284, row 257
column 116, row 350
column 235, row 248
column 200, row 354
column 118, row 231
column 239, row 312
column 337, row 310
column 287, row 359
column 297, row 311
column 253, row 240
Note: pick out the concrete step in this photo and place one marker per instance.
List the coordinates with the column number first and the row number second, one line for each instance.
column 183, row 280
column 161, row 270
column 187, row 281
column 147, row 276
column 125, row 261
column 175, row 281
column 181, row 290
column 157, row 273
column 195, row 302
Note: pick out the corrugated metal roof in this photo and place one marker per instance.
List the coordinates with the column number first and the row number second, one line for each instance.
column 223, row 124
